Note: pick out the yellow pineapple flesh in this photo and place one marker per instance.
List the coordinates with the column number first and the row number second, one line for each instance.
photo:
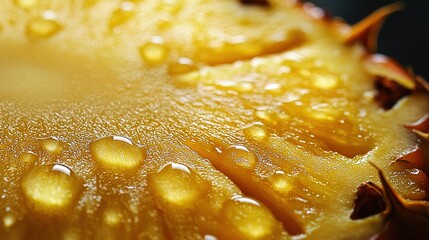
column 200, row 119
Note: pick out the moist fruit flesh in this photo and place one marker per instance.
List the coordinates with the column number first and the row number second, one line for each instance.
column 191, row 120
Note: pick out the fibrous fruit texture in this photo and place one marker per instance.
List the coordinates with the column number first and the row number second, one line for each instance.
column 198, row 119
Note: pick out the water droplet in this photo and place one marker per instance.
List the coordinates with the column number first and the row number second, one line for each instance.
column 280, row 182
column 9, row 220
column 51, row 189
column 28, row 157
column 121, row 15
column 154, row 52
column 43, row 27
column 117, row 154
column 240, row 156
column 183, row 65
column 245, row 87
column 267, row 116
column 187, row 79
column 274, row 88
column 249, row 218
column 256, row 131
column 178, row 185
column 26, row 4
column 209, row 237
column 324, row 81
column 112, row 216
column 52, row 145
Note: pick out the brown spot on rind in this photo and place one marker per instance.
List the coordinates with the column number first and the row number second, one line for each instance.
column 389, row 92
column 369, row 201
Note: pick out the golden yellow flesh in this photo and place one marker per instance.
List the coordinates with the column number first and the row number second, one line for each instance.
column 117, row 115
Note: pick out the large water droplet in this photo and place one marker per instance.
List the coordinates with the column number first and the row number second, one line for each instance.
column 51, row 189
column 249, row 218
column 154, row 52
column 178, row 185
column 45, row 26
column 117, row 154
column 240, row 156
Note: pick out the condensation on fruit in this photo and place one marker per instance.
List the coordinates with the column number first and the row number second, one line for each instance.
column 117, row 154
column 249, row 218
column 256, row 131
column 9, row 220
column 113, row 216
column 269, row 116
column 240, row 156
column 183, row 65
column 154, row 52
column 324, row 81
column 51, row 189
column 44, row 26
column 28, row 157
column 280, row 182
column 274, row 88
column 26, row 4
column 52, row 145
column 124, row 13
column 177, row 185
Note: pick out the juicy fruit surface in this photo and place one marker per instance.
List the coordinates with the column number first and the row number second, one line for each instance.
column 188, row 120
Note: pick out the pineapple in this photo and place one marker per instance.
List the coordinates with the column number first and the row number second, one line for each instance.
column 205, row 119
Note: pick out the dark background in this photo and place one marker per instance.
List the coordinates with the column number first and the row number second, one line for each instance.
column 405, row 34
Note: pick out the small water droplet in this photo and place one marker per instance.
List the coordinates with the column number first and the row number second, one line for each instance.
column 28, row 157
column 9, row 220
column 183, row 65
column 117, row 154
column 209, row 237
column 187, row 79
column 249, row 218
column 274, row 88
column 268, row 116
column 43, row 27
column 121, row 15
column 280, row 182
column 240, row 156
column 324, row 81
column 52, row 145
column 26, row 4
column 256, row 131
column 112, row 216
column 51, row 189
column 154, row 52
column 177, row 185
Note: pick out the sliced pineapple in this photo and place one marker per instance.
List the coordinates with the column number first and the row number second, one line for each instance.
column 192, row 120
